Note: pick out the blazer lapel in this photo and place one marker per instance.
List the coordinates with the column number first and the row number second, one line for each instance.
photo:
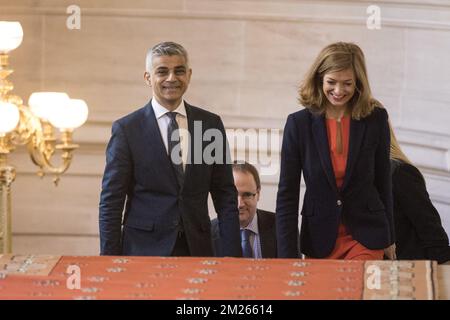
column 152, row 135
column 357, row 129
column 321, row 140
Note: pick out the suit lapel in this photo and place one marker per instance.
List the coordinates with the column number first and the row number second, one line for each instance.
column 357, row 129
column 189, row 159
column 152, row 135
column 321, row 140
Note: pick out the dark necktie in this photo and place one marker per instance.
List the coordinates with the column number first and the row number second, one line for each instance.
column 173, row 142
column 247, row 251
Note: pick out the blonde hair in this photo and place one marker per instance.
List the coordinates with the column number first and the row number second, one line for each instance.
column 337, row 57
column 396, row 152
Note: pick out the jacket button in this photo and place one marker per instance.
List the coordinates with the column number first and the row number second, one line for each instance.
column 339, row 203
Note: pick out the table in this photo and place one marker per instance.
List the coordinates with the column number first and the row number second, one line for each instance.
column 199, row 278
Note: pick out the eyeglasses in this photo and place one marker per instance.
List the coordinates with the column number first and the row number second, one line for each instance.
column 247, row 195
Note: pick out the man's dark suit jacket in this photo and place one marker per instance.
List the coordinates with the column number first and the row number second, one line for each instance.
column 418, row 227
column 267, row 234
column 140, row 182
column 363, row 204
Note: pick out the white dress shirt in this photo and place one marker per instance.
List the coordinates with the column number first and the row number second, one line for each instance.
column 163, row 122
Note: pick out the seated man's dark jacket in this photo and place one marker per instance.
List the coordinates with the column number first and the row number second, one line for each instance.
column 267, row 234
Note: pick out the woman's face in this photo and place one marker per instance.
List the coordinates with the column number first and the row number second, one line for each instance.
column 339, row 87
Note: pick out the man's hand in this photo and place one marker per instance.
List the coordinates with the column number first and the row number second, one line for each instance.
column 389, row 252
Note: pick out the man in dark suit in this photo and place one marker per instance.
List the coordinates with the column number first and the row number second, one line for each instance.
column 158, row 171
column 258, row 235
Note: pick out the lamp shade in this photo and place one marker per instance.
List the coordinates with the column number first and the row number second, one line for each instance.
column 9, row 117
column 70, row 116
column 11, row 35
column 43, row 104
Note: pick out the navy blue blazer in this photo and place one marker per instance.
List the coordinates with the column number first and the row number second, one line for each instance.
column 418, row 226
column 363, row 204
column 140, row 190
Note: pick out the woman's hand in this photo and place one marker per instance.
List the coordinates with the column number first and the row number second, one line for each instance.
column 389, row 252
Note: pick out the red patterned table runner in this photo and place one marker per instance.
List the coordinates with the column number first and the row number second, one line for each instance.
column 214, row 278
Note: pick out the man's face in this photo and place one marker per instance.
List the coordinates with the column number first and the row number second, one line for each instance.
column 248, row 196
column 169, row 79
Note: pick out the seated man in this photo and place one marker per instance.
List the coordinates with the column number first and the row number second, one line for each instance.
column 258, row 236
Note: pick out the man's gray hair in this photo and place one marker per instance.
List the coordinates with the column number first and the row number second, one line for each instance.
column 165, row 49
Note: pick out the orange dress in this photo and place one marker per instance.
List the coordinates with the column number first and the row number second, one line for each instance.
column 346, row 247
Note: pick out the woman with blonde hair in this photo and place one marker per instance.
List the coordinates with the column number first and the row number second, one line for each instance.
column 418, row 227
column 340, row 142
